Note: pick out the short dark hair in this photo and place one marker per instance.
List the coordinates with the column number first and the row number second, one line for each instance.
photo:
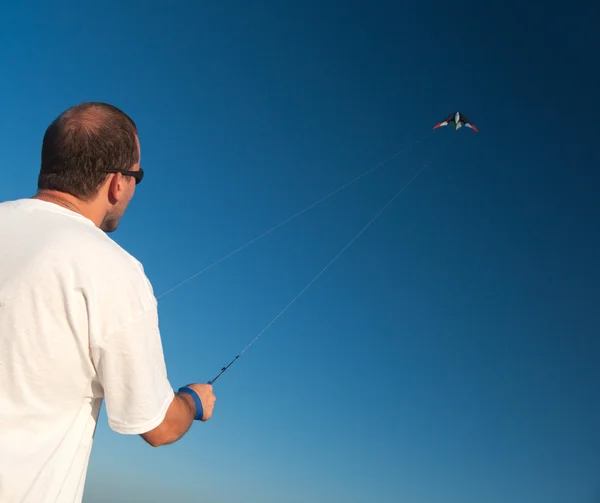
column 82, row 143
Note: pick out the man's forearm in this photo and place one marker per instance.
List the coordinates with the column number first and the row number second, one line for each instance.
column 182, row 421
column 177, row 422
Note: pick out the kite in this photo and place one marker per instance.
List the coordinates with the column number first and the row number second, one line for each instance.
column 459, row 121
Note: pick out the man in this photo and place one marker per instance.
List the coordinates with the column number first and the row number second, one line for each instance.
column 78, row 317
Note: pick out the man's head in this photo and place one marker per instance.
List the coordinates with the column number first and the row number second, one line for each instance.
column 87, row 152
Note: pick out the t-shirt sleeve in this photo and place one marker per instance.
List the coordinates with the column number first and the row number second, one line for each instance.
column 131, row 369
column 127, row 352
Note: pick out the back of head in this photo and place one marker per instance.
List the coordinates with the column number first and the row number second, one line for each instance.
column 83, row 143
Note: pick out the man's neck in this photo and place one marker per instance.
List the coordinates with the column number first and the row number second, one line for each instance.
column 61, row 199
column 89, row 210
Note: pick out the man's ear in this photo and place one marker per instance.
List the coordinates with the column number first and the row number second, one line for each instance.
column 115, row 188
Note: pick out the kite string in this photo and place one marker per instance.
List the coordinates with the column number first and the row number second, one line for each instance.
column 335, row 258
column 295, row 215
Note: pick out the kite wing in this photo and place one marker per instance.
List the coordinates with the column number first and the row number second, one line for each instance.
column 469, row 124
column 472, row 126
column 445, row 122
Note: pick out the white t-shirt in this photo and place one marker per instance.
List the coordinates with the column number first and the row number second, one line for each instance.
column 78, row 324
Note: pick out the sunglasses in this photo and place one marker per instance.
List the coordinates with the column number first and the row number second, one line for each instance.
column 138, row 175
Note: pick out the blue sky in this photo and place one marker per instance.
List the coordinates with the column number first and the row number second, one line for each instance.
column 450, row 355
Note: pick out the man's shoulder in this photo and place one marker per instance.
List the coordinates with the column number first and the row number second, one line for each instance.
column 103, row 250
column 68, row 238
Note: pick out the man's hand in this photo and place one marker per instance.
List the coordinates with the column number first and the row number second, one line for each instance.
column 207, row 397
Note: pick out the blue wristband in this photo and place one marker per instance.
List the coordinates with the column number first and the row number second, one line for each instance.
column 199, row 409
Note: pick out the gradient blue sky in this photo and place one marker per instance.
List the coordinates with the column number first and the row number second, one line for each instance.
column 451, row 354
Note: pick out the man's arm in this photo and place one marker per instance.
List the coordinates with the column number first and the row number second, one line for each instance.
column 126, row 351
